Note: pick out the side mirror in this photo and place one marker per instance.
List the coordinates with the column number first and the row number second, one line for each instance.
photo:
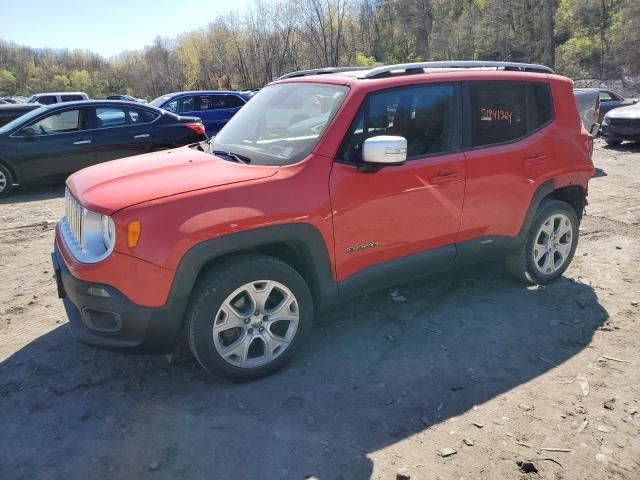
column 28, row 132
column 385, row 150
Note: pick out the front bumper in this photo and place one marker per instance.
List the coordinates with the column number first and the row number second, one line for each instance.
column 101, row 316
column 614, row 132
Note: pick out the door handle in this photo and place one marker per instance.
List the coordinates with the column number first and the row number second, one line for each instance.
column 144, row 135
column 534, row 160
column 444, row 178
column 82, row 142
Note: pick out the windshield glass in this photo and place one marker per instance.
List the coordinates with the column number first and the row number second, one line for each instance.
column 159, row 101
column 282, row 123
column 21, row 120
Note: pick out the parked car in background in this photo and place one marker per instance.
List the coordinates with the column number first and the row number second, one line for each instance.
column 51, row 98
column 588, row 103
column 10, row 100
column 214, row 108
column 11, row 111
column 610, row 99
column 51, row 142
column 379, row 177
column 127, row 98
column 622, row 124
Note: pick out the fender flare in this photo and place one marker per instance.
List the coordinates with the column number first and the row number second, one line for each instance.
column 539, row 195
column 304, row 238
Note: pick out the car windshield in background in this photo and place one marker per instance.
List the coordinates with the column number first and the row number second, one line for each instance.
column 282, row 123
column 159, row 101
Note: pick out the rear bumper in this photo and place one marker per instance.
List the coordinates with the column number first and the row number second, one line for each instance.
column 101, row 316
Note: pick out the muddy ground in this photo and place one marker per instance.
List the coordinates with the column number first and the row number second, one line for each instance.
column 471, row 361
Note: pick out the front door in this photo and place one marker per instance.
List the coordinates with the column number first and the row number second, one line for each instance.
column 55, row 145
column 400, row 211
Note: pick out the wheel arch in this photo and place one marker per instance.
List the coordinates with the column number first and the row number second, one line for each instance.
column 299, row 245
column 12, row 170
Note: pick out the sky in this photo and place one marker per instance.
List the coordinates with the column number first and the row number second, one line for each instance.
column 107, row 27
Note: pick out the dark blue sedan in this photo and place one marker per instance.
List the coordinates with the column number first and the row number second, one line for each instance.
column 214, row 108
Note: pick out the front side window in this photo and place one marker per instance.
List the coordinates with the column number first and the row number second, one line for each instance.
column 60, row 122
column 498, row 112
column 110, row 117
column 181, row 105
column 424, row 116
column 71, row 98
column 282, row 123
column 232, row 101
column 606, row 96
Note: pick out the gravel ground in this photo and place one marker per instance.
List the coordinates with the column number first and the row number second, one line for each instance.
column 470, row 362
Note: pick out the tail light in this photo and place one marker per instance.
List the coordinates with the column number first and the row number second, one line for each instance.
column 196, row 127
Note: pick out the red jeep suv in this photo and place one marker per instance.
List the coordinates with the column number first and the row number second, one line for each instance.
column 328, row 183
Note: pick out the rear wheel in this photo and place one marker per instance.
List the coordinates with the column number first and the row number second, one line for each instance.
column 550, row 245
column 6, row 181
column 248, row 317
column 613, row 143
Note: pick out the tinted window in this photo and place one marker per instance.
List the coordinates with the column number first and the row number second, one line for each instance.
column 498, row 112
column 606, row 96
column 422, row 115
column 181, row 104
column 541, row 105
column 110, row 117
column 61, row 122
column 71, row 98
column 232, row 101
column 211, row 102
column 47, row 100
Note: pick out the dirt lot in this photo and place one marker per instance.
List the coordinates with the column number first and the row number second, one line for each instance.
column 470, row 361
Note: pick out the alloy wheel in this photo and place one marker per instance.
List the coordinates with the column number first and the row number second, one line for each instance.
column 553, row 243
column 256, row 323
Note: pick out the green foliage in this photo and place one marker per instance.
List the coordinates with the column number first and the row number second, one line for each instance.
column 7, row 82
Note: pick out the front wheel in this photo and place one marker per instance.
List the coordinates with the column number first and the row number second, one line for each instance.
column 248, row 316
column 6, row 181
column 550, row 244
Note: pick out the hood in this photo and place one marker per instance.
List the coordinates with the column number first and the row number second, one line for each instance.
column 108, row 187
column 632, row 111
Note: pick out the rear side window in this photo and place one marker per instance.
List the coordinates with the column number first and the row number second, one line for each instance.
column 424, row 116
column 71, row 98
column 140, row 116
column 232, row 101
column 503, row 112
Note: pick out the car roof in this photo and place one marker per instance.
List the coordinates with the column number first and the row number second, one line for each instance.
column 107, row 103
column 58, row 93
column 203, row 92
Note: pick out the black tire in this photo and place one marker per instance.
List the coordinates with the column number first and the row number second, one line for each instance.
column 613, row 143
column 6, row 181
column 218, row 284
column 521, row 263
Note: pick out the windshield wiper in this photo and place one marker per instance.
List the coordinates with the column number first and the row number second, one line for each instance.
column 233, row 156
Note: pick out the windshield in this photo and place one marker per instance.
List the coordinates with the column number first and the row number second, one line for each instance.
column 160, row 100
column 282, row 123
column 21, row 120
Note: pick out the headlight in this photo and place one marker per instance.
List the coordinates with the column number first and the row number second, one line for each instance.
column 605, row 120
column 108, row 232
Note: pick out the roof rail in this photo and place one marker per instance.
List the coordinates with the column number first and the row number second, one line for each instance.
column 408, row 68
column 321, row 71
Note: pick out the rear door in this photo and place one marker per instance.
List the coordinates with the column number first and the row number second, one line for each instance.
column 56, row 144
column 510, row 146
column 120, row 131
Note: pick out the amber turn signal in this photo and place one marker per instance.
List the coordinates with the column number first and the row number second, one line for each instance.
column 133, row 233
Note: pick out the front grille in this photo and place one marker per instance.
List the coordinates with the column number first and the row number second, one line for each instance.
column 625, row 122
column 74, row 217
